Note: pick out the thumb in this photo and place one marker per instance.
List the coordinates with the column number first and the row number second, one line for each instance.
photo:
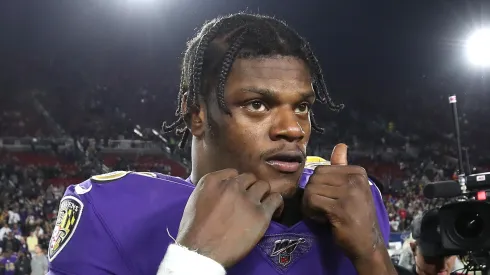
column 339, row 155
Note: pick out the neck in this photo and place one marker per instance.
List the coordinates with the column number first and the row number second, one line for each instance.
column 292, row 209
column 199, row 168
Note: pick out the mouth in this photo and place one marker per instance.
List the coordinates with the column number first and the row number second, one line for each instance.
column 286, row 162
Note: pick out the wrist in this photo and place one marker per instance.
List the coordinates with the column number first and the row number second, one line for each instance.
column 177, row 259
column 201, row 248
column 377, row 262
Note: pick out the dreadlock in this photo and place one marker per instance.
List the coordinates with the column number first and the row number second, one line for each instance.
column 210, row 56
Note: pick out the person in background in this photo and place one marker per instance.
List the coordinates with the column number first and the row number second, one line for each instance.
column 39, row 262
column 16, row 231
column 8, row 262
column 23, row 264
column 11, row 243
column 423, row 253
column 32, row 242
column 4, row 231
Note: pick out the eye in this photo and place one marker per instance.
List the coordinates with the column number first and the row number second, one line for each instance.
column 256, row 106
column 303, row 108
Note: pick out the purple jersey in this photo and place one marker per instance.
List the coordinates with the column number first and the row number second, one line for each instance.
column 9, row 264
column 122, row 223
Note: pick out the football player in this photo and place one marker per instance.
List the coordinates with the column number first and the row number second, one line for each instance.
column 250, row 206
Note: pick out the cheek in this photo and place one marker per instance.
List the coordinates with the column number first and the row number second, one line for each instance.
column 307, row 130
column 246, row 138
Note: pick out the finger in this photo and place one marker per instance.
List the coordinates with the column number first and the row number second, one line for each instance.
column 339, row 155
column 218, row 176
column 329, row 179
column 320, row 203
column 245, row 180
column 258, row 190
column 224, row 174
column 344, row 169
column 273, row 204
column 329, row 191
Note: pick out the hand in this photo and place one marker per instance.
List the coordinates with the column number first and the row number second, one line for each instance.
column 340, row 194
column 226, row 215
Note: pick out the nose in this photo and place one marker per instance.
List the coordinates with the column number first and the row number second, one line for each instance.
column 286, row 126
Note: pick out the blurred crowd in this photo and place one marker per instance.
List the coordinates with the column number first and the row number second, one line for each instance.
column 28, row 209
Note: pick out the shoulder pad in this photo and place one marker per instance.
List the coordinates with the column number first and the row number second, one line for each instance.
column 313, row 161
column 108, row 177
column 112, row 176
column 146, row 174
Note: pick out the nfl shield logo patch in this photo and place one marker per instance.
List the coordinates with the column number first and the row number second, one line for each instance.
column 285, row 249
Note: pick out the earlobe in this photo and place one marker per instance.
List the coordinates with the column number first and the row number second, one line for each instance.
column 196, row 123
column 194, row 118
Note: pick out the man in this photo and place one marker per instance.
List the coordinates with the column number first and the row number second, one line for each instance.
column 11, row 243
column 23, row 264
column 424, row 255
column 8, row 261
column 39, row 262
column 248, row 83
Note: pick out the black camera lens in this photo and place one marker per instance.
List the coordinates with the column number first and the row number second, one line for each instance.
column 469, row 225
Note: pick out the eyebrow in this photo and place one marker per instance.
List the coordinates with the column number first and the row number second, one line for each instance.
column 268, row 93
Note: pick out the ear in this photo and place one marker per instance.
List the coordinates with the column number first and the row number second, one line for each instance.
column 194, row 118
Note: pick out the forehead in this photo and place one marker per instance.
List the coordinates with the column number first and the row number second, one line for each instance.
column 275, row 73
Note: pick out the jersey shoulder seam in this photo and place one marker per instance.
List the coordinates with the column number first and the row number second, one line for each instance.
column 170, row 179
column 114, row 240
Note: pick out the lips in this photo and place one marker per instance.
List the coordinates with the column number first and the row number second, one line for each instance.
column 286, row 162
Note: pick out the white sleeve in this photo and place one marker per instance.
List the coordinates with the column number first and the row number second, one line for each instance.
column 181, row 261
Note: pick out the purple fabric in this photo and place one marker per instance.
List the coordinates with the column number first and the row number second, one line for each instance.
column 124, row 224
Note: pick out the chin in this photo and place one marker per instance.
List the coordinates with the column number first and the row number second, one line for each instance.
column 285, row 186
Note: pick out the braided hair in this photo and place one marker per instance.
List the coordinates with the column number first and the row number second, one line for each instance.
column 210, row 56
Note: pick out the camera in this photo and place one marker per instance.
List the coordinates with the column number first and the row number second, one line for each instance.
column 464, row 226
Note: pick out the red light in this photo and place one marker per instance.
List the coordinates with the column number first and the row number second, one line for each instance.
column 481, row 196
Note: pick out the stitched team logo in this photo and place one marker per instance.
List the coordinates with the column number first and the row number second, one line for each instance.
column 284, row 248
column 69, row 214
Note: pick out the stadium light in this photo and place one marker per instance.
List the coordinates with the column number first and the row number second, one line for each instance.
column 478, row 48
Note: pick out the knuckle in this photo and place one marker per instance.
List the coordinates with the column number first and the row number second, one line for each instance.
column 228, row 172
column 276, row 198
column 358, row 180
column 321, row 169
column 220, row 175
column 231, row 189
column 208, row 179
column 233, row 184
column 359, row 170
